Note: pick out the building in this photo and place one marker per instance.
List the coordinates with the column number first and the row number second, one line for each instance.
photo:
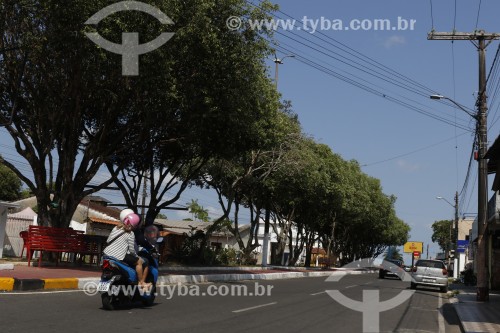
column 492, row 229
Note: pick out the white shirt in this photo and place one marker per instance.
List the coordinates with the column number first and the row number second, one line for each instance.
column 125, row 243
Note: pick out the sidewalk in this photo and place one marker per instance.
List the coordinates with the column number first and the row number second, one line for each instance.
column 477, row 316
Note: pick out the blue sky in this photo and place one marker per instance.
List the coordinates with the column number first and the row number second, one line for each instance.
column 415, row 156
column 368, row 128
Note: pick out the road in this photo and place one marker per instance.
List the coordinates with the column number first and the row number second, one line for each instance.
column 294, row 305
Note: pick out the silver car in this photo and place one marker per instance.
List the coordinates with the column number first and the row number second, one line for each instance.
column 430, row 273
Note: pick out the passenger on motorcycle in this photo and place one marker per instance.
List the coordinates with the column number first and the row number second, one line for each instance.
column 122, row 245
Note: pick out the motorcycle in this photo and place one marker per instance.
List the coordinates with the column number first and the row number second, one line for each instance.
column 468, row 277
column 119, row 282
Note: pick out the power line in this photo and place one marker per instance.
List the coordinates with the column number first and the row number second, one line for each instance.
column 374, row 91
column 478, row 11
column 371, row 67
column 432, row 16
column 354, row 53
column 455, row 17
column 413, row 151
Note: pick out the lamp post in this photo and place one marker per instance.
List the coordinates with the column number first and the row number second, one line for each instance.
column 456, row 260
column 482, row 291
column 265, row 245
column 460, row 106
column 278, row 62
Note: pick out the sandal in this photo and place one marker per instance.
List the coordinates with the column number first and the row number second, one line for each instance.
column 146, row 286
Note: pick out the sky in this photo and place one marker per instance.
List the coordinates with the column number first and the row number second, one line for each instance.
column 365, row 93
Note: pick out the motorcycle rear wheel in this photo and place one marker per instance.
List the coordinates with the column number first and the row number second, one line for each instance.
column 108, row 302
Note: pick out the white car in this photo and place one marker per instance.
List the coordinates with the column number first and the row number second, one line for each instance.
column 432, row 273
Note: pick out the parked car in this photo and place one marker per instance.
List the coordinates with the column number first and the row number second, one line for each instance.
column 390, row 267
column 432, row 273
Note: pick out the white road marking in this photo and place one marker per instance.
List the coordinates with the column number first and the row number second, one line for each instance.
column 440, row 315
column 350, row 286
column 254, row 307
column 40, row 292
column 322, row 292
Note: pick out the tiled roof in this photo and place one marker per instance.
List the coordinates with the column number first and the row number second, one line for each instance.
column 112, row 212
column 104, row 221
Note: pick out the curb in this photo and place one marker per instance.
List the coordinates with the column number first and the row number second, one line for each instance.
column 13, row 284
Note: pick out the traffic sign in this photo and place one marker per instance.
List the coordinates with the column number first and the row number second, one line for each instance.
column 410, row 247
column 416, row 253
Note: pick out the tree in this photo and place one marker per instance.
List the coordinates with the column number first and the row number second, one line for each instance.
column 393, row 253
column 72, row 109
column 348, row 211
column 244, row 180
column 10, row 185
column 442, row 234
column 162, row 216
column 213, row 103
column 198, row 212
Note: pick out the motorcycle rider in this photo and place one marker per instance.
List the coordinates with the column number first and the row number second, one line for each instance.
column 122, row 245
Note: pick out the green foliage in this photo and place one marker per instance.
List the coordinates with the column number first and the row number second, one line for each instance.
column 226, row 257
column 442, row 234
column 203, row 110
column 199, row 213
column 393, row 253
column 191, row 249
column 194, row 252
column 10, row 184
column 72, row 102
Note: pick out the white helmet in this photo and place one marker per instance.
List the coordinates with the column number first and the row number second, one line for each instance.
column 124, row 213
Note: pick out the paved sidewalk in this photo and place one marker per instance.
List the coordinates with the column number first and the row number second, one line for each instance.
column 477, row 316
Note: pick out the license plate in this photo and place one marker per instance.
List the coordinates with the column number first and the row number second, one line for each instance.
column 103, row 286
column 428, row 280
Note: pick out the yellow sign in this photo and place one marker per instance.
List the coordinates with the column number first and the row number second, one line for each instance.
column 411, row 247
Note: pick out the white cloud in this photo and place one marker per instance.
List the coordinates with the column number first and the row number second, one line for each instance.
column 394, row 40
column 407, row 166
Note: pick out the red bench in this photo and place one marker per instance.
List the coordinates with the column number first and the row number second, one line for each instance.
column 51, row 239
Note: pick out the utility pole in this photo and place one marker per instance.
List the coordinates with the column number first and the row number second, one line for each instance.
column 145, row 176
column 482, row 292
column 278, row 62
column 265, row 245
column 456, row 266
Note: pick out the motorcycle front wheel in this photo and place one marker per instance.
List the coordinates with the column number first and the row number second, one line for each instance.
column 149, row 300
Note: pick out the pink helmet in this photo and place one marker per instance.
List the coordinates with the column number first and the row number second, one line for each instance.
column 132, row 220
column 124, row 213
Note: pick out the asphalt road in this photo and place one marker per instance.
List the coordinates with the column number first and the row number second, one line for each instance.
column 294, row 305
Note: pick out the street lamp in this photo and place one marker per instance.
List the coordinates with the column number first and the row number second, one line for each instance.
column 456, row 260
column 265, row 245
column 482, row 291
column 438, row 97
column 278, row 62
